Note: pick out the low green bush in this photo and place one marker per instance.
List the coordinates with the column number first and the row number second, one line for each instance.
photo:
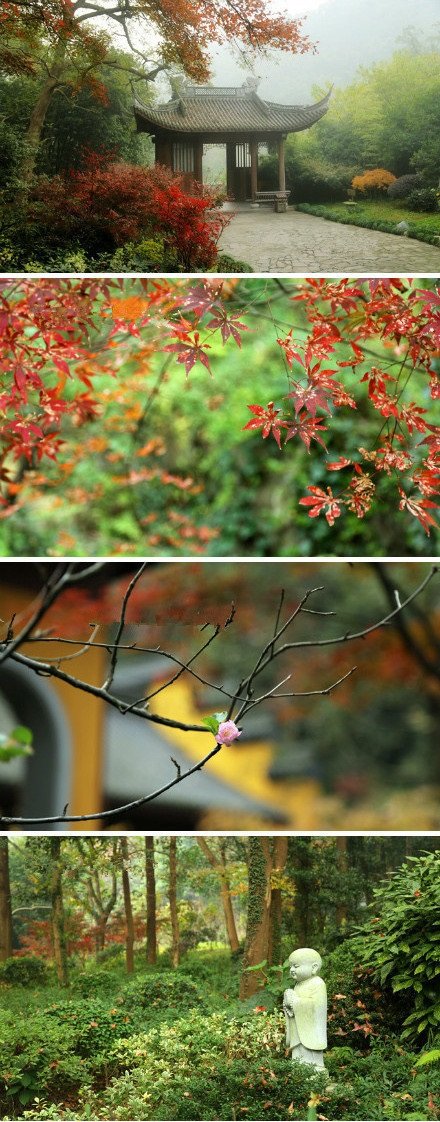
column 94, row 1023
column 423, row 199
column 169, row 992
column 25, row 970
column 91, row 982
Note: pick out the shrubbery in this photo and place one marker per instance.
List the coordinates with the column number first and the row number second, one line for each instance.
column 168, row 990
column 374, row 182
column 24, row 970
column 105, row 206
column 424, row 199
column 402, row 941
column 402, row 186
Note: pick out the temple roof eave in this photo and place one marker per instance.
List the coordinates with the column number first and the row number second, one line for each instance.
column 220, row 118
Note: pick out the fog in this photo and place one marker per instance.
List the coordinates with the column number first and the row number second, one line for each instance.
column 348, row 34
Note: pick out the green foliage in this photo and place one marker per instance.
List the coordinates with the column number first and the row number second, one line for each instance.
column 94, row 982
column 401, row 944
column 424, row 199
column 402, row 186
column 385, row 118
column 18, row 742
column 26, row 970
column 94, row 1023
column 166, row 991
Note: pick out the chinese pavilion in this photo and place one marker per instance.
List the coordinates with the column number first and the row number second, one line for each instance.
column 236, row 117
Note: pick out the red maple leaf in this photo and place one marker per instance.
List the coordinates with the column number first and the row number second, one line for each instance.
column 320, row 502
column 268, row 420
column 311, row 397
column 307, row 428
column 419, row 509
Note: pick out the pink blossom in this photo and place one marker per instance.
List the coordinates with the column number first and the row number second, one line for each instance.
column 227, row 732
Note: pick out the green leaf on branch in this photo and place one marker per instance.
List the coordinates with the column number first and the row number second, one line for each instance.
column 18, row 742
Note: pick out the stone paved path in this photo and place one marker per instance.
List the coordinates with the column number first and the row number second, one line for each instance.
column 301, row 243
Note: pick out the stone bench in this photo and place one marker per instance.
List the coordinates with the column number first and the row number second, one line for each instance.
column 278, row 198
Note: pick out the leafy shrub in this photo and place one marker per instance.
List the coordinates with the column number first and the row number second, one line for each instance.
column 227, row 264
column 94, row 1024
column 216, row 1067
column 373, row 182
column 357, row 1009
column 402, row 186
column 424, row 199
column 103, row 207
column 90, row 982
column 26, row 970
column 165, row 991
column 37, row 1057
column 401, row 943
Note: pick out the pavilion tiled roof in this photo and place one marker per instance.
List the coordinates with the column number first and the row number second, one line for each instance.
column 206, row 109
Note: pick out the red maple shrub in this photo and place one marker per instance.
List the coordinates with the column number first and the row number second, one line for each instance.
column 106, row 205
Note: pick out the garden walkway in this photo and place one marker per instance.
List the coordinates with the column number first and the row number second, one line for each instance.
column 301, row 243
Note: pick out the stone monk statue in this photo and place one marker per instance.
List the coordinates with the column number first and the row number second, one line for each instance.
column 305, row 1008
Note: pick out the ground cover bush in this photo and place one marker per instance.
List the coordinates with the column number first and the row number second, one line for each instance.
column 25, row 970
column 379, row 215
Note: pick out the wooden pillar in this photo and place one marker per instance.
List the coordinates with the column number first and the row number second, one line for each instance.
column 253, row 148
column 230, row 168
column 198, row 158
column 163, row 153
column 281, row 165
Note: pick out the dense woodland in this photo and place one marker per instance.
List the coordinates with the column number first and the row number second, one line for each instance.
column 143, row 977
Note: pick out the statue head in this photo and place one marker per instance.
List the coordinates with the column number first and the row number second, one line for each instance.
column 304, row 963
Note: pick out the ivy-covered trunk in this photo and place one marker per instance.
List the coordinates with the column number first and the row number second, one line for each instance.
column 5, row 902
column 58, row 924
column 129, row 924
column 257, row 925
column 150, row 878
column 172, row 896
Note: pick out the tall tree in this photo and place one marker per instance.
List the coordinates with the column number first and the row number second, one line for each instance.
column 128, row 909
column 216, row 855
column 172, row 897
column 150, row 878
column 58, row 920
column 5, row 902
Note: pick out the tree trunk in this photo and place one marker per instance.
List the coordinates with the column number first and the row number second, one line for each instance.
column 129, row 925
column 5, row 902
column 172, row 896
column 275, row 912
column 38, row 116
column 150, row 878
column 257, row 927
column 58, row 924
column 219, row 864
